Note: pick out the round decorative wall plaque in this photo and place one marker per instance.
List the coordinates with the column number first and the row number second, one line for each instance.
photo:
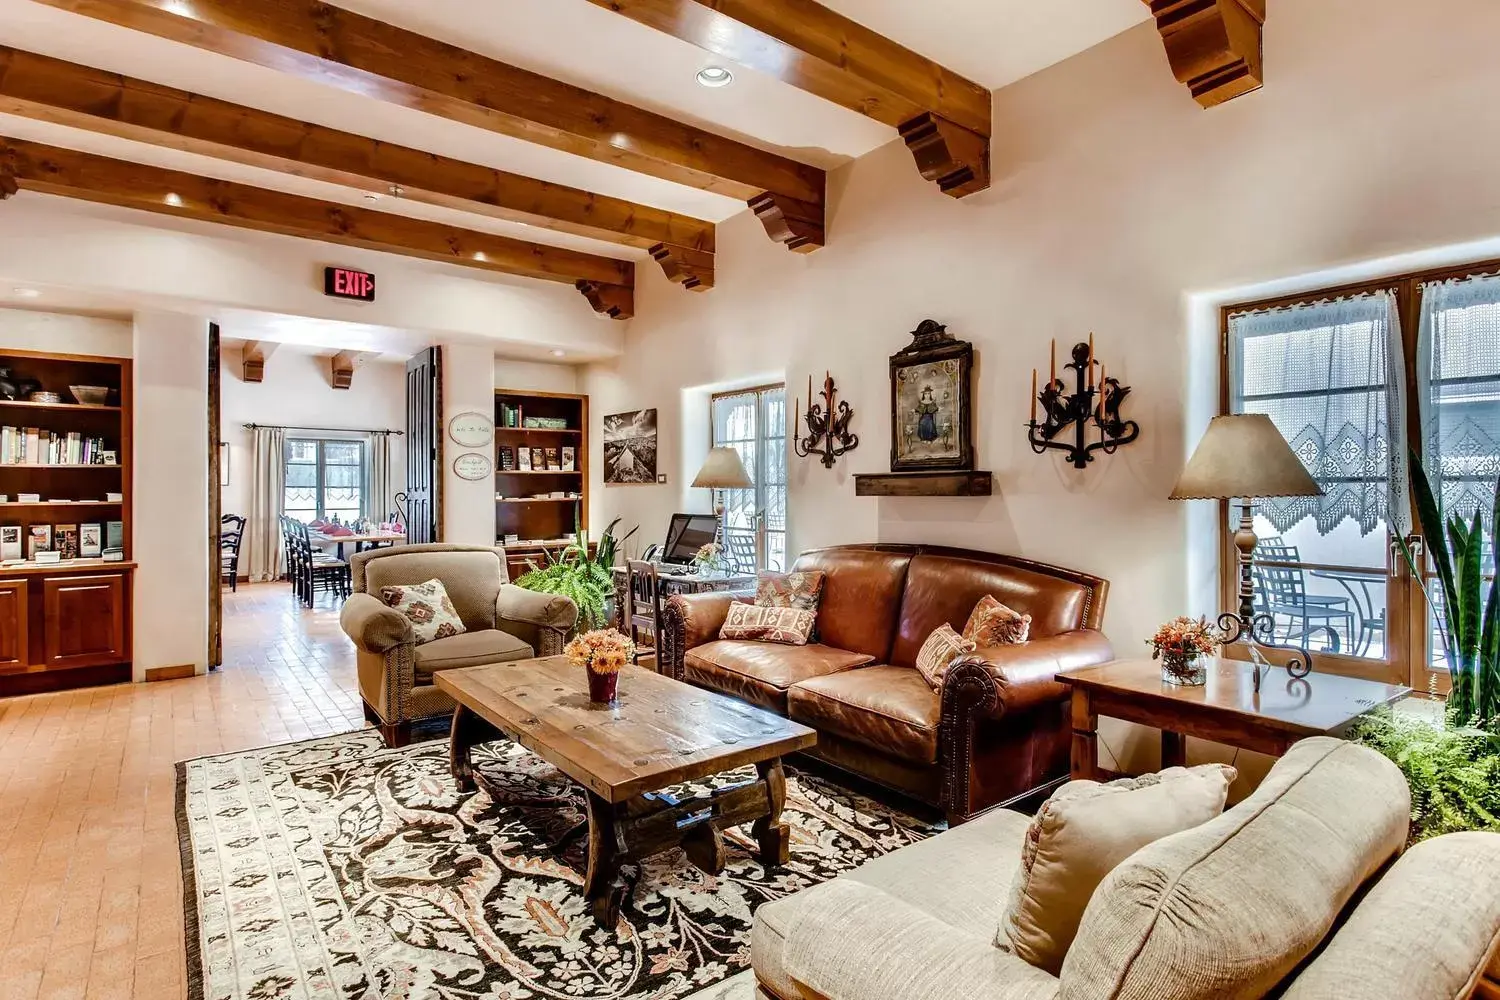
column 471, row 430
column 473, row 467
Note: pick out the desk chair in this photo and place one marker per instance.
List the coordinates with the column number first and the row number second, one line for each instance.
column 643, row 600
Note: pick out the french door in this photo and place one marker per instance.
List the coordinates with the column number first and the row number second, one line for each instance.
column 1354, row 378
column 753, row 423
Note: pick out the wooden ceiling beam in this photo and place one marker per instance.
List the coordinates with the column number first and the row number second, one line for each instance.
column 945, row 118
column 337, row 47
column 51, row 90
column 1214, row 46
column 85, row 176
column 253, row 358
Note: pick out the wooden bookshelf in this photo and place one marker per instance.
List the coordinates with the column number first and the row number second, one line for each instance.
column 67, row 624
column 541, row 522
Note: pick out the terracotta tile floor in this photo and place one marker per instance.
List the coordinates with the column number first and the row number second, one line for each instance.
column 90, row 897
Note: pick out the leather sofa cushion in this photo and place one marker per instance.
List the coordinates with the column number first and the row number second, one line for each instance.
column 470, row 649
column 761, row 672
column 861, row 597
column 890, row 709
column 945, row 588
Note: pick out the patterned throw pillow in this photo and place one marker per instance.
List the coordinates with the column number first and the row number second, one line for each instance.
column 788, row 626
column 790, row 590
column 942, row 647
column 993, row 624
column 427, row 607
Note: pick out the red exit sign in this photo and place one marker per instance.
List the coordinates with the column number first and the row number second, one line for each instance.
column 346, row 283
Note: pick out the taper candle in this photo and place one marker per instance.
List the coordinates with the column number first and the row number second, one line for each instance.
column 809, row 392
column 1091, row 359
column 1053, row 376
column 1033, row 395
column 1103, row 391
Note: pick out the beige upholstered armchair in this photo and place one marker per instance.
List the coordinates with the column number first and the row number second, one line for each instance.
column 502, row 622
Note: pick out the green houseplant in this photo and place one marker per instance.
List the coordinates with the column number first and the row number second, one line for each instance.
column 586, row 580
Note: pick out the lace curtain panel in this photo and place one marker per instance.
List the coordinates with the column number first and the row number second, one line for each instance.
column 1458, row 358
column 1323, row 372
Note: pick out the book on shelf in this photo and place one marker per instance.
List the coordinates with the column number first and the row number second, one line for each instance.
column 114, row 535
column 90, row 541
column 510, row 415
column 554, row 461
column 569, row 460
column 539, row 459
column 507, row 458
column 28, row 498
column 38, row 446
column 39, row 539
column 10, row 542
column 65, row 540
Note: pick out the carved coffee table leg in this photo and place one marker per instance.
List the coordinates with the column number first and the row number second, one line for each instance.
column 468, row 730
column 704, row 847
column 599, row 883
column 773, row 835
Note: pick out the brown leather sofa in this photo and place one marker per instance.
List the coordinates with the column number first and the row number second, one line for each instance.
column 997, row 731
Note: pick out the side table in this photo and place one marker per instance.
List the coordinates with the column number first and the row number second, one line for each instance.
column 1226, row 710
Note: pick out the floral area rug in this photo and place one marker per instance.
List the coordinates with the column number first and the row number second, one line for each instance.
column 339, row 869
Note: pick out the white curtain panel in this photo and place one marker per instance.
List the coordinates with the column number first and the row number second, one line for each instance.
column 1458, row 379
column 267, row 490
column 382, row 495
column 1331, row 376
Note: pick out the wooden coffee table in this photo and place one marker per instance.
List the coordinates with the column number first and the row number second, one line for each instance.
column 662, row 732
column 1226, row 710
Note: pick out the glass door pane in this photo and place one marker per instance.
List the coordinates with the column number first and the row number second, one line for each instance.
column 753, row 423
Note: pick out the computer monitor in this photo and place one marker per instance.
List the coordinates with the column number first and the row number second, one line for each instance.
column 686, row 535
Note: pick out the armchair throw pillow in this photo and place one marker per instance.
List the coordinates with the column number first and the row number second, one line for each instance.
column 788, row 626
column 427, row 607
column 937, row 654
column 1080, row 834
column 993, row 624
column 802, row 590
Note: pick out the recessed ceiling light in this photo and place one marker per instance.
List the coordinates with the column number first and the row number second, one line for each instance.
column 174, row 199
column 26, row 293
column 559, row 354
column 715, row 76
column 479, row 255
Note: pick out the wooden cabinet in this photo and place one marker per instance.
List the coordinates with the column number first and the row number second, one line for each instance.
column 14, row 650
column 85, row 621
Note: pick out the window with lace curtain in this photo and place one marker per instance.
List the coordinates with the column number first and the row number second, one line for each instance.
column 1353, row 378
column 753, row 423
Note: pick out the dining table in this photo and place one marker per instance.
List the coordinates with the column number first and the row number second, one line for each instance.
column 366, row 540
column 1365, row 588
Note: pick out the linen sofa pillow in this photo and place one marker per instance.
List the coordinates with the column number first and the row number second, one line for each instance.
column 427, row 607
column 937, row 654
column 1080, row 834
column 803, row 591
column 788, row 626
column 993, row 624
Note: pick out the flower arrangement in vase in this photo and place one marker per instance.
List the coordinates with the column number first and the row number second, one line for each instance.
column 603, row 653
column 1183, row 645
column 710, row 558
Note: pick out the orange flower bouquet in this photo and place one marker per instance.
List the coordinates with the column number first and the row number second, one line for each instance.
column 603, row 653
column 1183, row 646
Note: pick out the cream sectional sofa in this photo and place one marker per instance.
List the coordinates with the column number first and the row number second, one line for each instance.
column 1301, row 891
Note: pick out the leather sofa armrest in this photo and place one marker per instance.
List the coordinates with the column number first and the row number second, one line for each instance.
column 372, row 626
column 1001, row 680
column 689, row 620
column 850, row 941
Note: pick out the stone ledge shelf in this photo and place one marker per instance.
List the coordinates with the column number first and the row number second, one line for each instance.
column 925, row 484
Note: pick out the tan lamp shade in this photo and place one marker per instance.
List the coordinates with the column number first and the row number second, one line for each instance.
column 1243, row 456
column 723, row 470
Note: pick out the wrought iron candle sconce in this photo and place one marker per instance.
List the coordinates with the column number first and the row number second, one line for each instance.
column 828, row 429
column 1088, row 407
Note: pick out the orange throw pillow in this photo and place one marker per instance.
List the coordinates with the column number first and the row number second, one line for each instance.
column 993, row 624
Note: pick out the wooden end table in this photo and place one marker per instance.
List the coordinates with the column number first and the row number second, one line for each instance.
column 1226, row 710
column 661, row 732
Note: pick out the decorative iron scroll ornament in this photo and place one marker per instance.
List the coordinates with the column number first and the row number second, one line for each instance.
column 828, row 428
column 1089, row 406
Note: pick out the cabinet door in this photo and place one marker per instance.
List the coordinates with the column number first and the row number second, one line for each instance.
column 13, row 637
column 85, row 618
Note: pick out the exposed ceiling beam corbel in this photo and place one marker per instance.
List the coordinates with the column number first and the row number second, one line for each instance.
column 944, row 118
column 343, row 364
column 1213, row 46
column 51, row 90
column 337, row 47
column 85, row 176
column 253, row 359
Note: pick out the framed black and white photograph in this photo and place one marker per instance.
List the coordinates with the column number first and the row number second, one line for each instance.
column 931, row 408
column 630, row 448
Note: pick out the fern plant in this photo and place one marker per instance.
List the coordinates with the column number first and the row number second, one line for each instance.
column 588, row 581
column 1453, row 771
column 1470, row 617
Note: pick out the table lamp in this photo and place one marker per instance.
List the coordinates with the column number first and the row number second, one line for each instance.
column 1243, row 457
column 722, row 470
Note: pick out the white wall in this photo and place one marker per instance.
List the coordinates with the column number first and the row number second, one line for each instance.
column 468, row 385
column 170, row 529
column 298, row 392
column 535, row 376
column 1115, row 199
column 64, row 333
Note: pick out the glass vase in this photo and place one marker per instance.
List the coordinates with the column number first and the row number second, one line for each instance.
column 1184, row 671
column 603, row 687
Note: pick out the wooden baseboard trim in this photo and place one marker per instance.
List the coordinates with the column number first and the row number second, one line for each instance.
column 170, row 673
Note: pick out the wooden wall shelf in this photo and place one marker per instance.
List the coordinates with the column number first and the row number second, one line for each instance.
column 74, row 407
column 529, row 517
column 924, row 484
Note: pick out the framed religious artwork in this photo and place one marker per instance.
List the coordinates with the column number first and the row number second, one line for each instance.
column 932, row 417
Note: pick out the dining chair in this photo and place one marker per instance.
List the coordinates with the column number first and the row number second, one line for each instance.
column 1281, row 591
column 741, row 544
column 315, row 570
column 231, row 536
column 643, row 600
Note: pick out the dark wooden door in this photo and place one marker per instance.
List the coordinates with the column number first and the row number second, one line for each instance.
column 215, row 503
column 85, row 618
column 13, row 648
column 424, row 420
